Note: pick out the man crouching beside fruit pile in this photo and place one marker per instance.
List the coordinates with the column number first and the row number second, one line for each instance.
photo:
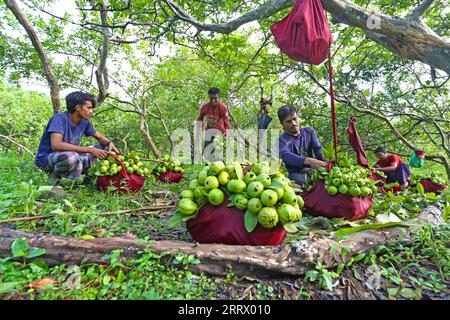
column 59, row 152
column 393, row 166
column 296, row 146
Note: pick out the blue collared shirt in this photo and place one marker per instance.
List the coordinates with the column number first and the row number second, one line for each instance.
column 293, row 150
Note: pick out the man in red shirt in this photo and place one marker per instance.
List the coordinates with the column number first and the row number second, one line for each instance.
column 216, row 115
column 394, row 167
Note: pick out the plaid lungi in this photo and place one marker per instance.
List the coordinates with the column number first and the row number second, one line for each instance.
column 70, row 164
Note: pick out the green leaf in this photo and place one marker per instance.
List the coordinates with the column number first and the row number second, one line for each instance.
column 19, row 248
column 68, row 203
column 106, row 279
column 290, row 227
column 446, row 214
column 36, row 253
column 359, row 257
column 409, row 293
column 392, row 292
column 274, row 166
column 421, row 189
column 374, row 226
column 192, row 216
column 175, row 189
column 328, row 281
column 387, row 217
column 276, row 185
column 8, row 287
column 120, row 277
column 43, row 189
column 250, row 221
column 238, row 170
column 340, row 268
column 175, row 220
column 432, row 196
column 311, row 275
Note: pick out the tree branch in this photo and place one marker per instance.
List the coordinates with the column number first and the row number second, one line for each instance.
column 406, row 38
column 16, row 143
column 420, row 10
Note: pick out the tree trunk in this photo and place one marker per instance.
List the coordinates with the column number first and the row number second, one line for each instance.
column 47, row 69
column 144, row 129
column 102, row 72
column 216, row 259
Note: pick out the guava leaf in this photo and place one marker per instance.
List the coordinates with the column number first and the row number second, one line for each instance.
column 276, row 185
column 175, row 220
column 421, row 189
column 274, row 166
column 36, row 253
column 250, row 221
column 387, row 217
column 290, row 227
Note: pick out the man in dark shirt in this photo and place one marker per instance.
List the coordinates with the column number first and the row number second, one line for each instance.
column 59, row 152
column 297, row 145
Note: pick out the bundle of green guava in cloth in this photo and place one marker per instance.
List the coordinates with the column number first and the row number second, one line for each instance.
column 250, row 204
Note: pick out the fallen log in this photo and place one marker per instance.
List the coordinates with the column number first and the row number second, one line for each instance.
column 216, row 259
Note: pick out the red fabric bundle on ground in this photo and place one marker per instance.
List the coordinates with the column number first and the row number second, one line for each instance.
column 319, row 203
column 374, row 176
column 225, row 225
column 431, row 187
column 393, row 189
column 304, row 35
column 123, row 181
column 381, row 187
column 170, row 177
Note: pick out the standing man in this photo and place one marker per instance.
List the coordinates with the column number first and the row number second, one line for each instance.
column 59, row 151
column 297, row 145
column 216, row 114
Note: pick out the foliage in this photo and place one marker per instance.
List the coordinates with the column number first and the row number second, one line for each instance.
column 143, row 278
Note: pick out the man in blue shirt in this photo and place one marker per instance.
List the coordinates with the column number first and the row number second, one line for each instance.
column 59, row 151
column 297, row 145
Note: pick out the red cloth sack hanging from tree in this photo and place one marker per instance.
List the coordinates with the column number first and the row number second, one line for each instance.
column 355, row 141
column 304, row 35
column 429, row 186
column 123, row 181
column 170, row 177
column 319, row 203
column 225, row 225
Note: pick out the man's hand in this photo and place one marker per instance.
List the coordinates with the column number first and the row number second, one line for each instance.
column 314, row 163
column 101, row 154
column 112, row 147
